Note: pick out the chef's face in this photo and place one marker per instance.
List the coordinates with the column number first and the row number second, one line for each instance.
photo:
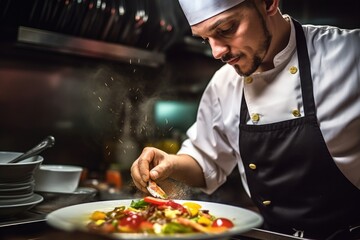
column 238, row 36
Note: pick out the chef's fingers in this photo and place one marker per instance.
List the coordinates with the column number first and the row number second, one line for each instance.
column 152, row 163
column 145, row 161
column 136, row 177
column 162, row 170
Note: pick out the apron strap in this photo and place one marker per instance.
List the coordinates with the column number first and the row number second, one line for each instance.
column 305, row 70
column 243, row 110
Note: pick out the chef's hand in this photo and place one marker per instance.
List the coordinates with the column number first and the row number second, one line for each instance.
column 152, row 163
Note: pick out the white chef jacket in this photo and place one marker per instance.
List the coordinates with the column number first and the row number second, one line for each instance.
column 275, row 95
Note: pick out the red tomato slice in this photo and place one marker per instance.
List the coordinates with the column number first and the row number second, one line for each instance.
column 163, row 202
column 223, row 222
column 156, row 201
column 177, row 206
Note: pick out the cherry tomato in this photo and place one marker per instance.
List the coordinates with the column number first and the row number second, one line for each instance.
column 132, row 221
column 222, row 222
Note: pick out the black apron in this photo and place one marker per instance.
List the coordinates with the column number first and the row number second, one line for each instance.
column 292, row 177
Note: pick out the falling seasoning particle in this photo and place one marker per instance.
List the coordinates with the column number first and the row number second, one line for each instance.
column 98, row 107
column 100, row 99
column 106, row 84
column 147, row 45
column 112, row 79
column 134, row 70
column 130, row 61
column 138, row 60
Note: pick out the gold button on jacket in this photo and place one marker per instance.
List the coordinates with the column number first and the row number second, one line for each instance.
column 255, row 117
column 293, row 70
column 296, row 113
column 252, row 166
column 248, row 80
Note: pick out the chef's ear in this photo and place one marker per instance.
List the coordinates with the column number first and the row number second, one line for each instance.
column 271, row 6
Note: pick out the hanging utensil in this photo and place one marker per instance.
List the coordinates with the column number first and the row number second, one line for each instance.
column 119, row 21
column 46, row 143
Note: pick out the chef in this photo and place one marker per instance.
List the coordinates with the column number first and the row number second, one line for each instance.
column 284, row 109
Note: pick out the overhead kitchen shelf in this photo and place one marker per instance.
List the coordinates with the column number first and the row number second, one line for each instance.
column 37, row 38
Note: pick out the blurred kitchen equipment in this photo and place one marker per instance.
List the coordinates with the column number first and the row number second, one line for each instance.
column 167, row 25
column 116, row 22
column 57, row 178
column 81, row 7
column 17, row 184
column 46, row 143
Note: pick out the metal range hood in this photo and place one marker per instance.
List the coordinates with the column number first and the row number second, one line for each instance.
column 57, row 42
column 136, row 31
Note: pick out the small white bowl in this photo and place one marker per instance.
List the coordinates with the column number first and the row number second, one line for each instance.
column 57, row 178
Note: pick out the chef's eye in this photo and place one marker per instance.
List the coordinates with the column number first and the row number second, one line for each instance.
column 227, row 30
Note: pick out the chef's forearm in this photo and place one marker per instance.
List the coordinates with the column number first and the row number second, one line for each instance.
column 188, row 171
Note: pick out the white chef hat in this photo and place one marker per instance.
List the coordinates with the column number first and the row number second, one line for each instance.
column 199, row 10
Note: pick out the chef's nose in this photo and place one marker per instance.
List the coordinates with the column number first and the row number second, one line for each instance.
column 218, row 48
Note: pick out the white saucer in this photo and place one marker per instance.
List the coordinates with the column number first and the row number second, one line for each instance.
column 53, row 201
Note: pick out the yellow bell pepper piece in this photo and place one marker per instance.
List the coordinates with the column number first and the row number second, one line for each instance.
column 98, row 215
column 204, row 221
column 192, row 207
column 99, row 222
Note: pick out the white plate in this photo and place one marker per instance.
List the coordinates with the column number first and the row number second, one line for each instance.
column 76, row 217
column 10, row 209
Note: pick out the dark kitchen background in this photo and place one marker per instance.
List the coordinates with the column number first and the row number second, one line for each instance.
column 108, row 77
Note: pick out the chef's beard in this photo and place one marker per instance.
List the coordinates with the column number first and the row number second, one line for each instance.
column 257, row 59
column 255, row 64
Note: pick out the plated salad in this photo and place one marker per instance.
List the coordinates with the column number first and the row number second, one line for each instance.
column 152, row 215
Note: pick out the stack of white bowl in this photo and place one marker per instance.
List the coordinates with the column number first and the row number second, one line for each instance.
column 17, row 184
